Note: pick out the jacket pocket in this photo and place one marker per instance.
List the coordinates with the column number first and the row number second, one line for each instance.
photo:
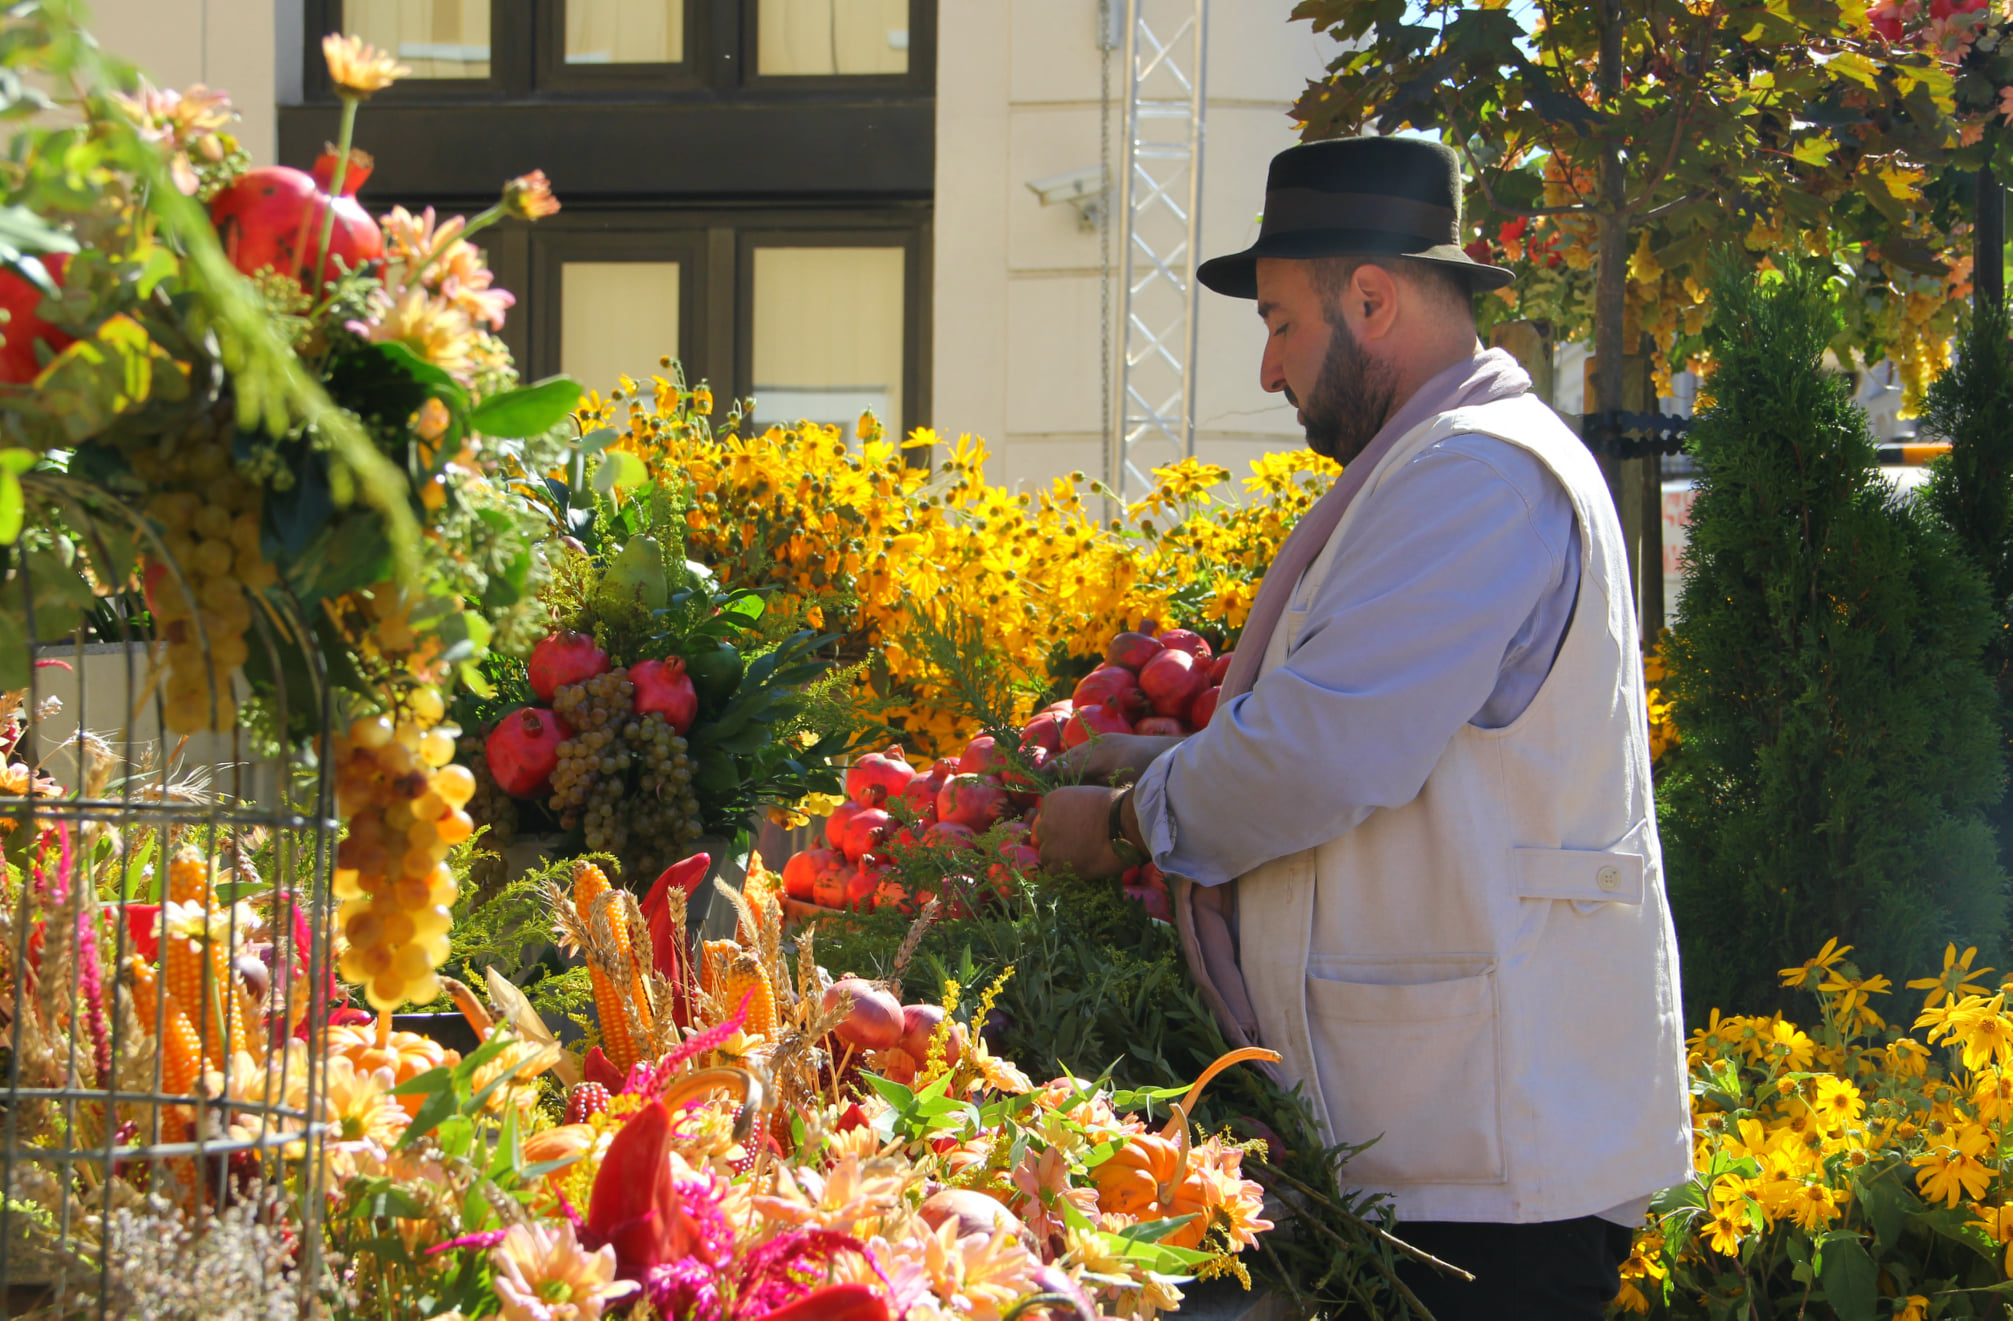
column 1414, row 1067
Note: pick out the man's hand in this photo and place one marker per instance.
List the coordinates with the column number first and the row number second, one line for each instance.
column 1074, row 832
column 1113, row 758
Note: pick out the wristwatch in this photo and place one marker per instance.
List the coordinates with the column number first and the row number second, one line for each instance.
column 1128, row 852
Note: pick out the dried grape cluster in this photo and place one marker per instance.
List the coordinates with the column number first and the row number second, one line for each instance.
column 209, row 517
column 624, row 778
column 404, row 799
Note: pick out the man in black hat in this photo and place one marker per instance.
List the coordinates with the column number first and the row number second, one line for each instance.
column 1415, row 851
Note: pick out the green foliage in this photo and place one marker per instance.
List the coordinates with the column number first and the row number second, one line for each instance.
column 1971, row 488
column 1840, row 740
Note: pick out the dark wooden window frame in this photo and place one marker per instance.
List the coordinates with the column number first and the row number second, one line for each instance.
column 716, row 279
column 527, row 61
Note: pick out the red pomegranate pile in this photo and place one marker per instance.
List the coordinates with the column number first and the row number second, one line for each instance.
column 1165, row 684
column 523, row 749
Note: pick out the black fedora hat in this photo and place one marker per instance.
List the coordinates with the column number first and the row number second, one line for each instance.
column 1358, row 197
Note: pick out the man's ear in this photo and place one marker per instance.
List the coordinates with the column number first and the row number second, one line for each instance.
column 1373, row 301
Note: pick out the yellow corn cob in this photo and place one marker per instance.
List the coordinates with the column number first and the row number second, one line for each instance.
column 745, row 975
column 145, row 984
column 189, row 877
column 619, row 1000
column 181, row 1065
column 715, row 957
column 182, row 970
column 182, row 961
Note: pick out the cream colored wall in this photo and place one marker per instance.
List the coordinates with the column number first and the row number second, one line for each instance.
column 219, row 43
column 1016, row 354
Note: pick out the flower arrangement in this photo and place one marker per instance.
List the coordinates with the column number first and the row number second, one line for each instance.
column 1849, row 1170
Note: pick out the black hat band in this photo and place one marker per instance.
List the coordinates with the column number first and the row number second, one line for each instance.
column 1288, row 210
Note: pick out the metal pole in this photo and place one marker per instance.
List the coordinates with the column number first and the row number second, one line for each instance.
column 1114, row 471
column 1195, row 137
column 1988, row 243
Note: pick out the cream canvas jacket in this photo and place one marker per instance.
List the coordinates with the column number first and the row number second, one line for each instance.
column 1484, row 980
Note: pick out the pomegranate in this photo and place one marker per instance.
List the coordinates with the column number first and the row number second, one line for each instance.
column 1181, row 639
column 894, row 897
column 1171, row 680
column 828, row 888
column 1156, row 902
column 1064, row 708
column 972, row 801
column 920, row 794
column 1161, row 727
column 523, row 751
column 663, row 687
column 1094, row 720
column 801, row 872
column 878, row 776
column 875, row 1020
column 272, row 216
column 836, row 823
column 1203, row 709
column 1044, row 732
column 1132, row 650
column 919, row 1024
column 861, row 883
column 1011, row 833
column 982, row 757
column 24, row 328
column 1023, row 787
column 1102, row 684
column 1220, row 667
column 1021, row 856
column 950, row 835
column 561, row 659
column 864, row 832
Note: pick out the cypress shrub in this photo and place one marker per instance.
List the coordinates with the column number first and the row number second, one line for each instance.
column 1970, row 491
column 1841, row 736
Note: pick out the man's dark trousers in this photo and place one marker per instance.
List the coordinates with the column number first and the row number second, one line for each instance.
column 1557, row 1270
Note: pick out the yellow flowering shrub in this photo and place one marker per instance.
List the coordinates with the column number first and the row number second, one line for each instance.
column 1850, row 1170
column 862, row 540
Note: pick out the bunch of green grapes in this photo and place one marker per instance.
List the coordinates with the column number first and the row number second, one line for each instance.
column 403, row 797
column 200, row 590
column 624, row 779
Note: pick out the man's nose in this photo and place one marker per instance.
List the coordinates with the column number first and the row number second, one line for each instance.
column 1271, row 373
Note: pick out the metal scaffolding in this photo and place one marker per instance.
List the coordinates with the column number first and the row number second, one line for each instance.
column 1159, row 211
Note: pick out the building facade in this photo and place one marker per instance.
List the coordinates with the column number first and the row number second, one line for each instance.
column 822, row 204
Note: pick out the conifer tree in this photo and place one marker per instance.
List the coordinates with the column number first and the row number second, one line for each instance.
column 1971, row 489
column 1841, row 740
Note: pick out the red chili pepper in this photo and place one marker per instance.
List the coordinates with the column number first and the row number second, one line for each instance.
column 836, row 1302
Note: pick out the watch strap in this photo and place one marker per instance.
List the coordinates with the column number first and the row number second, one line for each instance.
column 1128, row 852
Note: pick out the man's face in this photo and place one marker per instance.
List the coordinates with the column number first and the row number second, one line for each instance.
column 1315, row 360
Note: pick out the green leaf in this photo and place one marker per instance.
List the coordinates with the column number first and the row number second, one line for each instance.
column 12, row 507
column 433, row 1112
column 619, row 471
column 438, row 1078
column 529, row 410
column 1849, row 1278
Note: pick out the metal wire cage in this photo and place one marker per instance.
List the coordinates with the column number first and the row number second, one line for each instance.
column 164, row 946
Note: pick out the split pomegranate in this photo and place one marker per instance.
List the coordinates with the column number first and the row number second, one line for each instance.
column 24, row 328
column 1171, row 680
column 1132, row 650
column 561, row 659
column 523, row 751
column 972, row 801
column 272, row 217
column 876, row 777
column 663, row 687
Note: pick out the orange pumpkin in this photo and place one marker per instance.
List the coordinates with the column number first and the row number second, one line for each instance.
column 1133, row 1180
column 567, row 1142
column 406, row 1054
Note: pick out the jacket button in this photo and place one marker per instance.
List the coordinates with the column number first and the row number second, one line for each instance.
column 1608, row 878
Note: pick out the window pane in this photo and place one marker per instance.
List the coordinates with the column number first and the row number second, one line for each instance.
column 625, row 31
column 833, row 36
column 828, row 335
column 433, row 38
column 615, row 317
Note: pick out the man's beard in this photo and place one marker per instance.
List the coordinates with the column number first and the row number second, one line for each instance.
column 1350, row 400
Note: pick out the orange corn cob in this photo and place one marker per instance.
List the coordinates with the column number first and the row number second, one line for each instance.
column 189, row 877
column 181, row 1065
column 621, row 1005
column 747, row 974
column 145, row 984
column 715, row 958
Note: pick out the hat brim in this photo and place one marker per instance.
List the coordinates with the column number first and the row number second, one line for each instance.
column 1235, row 274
